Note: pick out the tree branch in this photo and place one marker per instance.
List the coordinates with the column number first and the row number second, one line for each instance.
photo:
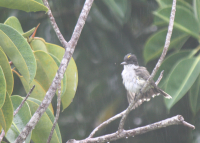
column 55, row 26
column 167, row 42
column 160, row 77
column 118, row 115
column 63, row 65
column 57, row 113
column 176, row 120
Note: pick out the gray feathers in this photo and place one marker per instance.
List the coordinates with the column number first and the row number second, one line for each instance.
column 134, row 78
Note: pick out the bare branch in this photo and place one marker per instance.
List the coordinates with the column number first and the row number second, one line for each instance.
column 55, row 26
column 17, row 110
column 167, row 42
column 57, row 112
column 63, row 65
column 166, row 46
column 176, row 120
column 106, row 123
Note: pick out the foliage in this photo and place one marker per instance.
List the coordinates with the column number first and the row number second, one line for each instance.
column 182, row 71
column 35, row 62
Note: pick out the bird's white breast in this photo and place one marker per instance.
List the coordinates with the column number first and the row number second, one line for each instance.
column 130, row 80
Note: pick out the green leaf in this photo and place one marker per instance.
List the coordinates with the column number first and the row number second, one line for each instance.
column 7, row 73
column 45, row 73
column 64, row 77
column 19, row 51
column 20, row 120
column 55, row 50
column 14, row 23
column 169, row 64
column 71, row 75
column 188, row 24
column 181, row 79
column 154, row 45
column 194, row 96
column 38, row 44
column 6, row 114
column 2, row 88
column 28, row 33
column 70, row 79
column 25, row 5
column 119, row 8
column 72, row 83
column 196, row 6
column 42, row 130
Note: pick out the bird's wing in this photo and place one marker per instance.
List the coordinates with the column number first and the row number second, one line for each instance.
column 142, row 73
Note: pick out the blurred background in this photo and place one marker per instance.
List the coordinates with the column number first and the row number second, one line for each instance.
column 112, row 30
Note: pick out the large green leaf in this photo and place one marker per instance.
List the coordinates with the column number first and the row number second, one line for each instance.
column 46, row 69
column 42, row 130
column 38, row 44
column 64, row 77
column 188, row 24
column 168, row 65
column 181, row 79
column 2, row 87
column 194, row 95
column 19, row 51
column 7, row 72
column 71, row 75
column 14, row 23
column 72, row 83
column 70, row 79
column 25, row 5
column 20, row 120
column 6, row 114
column 154, row 46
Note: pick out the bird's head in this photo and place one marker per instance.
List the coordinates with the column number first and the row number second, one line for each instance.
column 130, row 59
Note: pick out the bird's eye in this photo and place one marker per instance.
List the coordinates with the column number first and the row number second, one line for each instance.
column 129, row 56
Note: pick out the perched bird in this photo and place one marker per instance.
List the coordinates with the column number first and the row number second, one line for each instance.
column 134, row 78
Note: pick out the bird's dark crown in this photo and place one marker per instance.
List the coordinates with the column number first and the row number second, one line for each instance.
column 130, row 59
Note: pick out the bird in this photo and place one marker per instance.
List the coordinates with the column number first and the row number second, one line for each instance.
column 134, row 78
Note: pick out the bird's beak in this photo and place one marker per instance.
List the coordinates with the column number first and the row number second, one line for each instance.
column 123, row 63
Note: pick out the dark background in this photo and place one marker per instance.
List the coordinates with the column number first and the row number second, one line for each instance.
column 104, row 41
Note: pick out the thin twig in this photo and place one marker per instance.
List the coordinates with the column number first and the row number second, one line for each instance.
column 17, row 110
column 23, row 101
column 167, row 42
column 176, row 120
column 160, row 77
column 106, row 123
column 166, row 46
column 57, row 113
column 118, row 115
column 54, row 24
column 63, row 65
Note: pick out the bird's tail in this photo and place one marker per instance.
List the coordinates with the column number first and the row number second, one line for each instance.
column 164, row 93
